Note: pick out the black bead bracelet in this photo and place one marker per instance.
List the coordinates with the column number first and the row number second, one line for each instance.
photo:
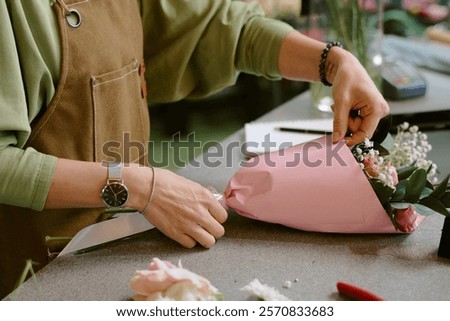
column 323, row 60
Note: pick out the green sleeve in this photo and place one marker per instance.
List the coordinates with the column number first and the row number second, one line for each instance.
column 195, row 48
column 26, row 177
column 25, row 85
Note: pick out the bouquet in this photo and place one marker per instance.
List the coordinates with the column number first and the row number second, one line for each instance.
column 324, row 187
column 403, row 178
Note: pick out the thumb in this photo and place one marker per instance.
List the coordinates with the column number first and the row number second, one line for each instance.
column 340, row 123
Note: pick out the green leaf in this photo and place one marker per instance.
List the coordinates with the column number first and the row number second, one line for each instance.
column 429, row 185
column 415, row 185
column 434, row 204
column 400, row 190
column 441, row 188
column 405, row 172
column 400, row 205
column 391, row 213
column 383, row 192
column 383, row 151
column 445, row 199
column 423, row 210
column 426, row 192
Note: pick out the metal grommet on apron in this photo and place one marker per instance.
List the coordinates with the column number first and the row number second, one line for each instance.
column 82, row 118
column 73, row 18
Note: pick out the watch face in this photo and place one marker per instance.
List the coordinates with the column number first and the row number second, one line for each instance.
column 115, row 194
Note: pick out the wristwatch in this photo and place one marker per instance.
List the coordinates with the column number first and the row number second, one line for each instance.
column 115, row 193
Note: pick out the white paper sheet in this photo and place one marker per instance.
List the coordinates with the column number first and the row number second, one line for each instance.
column 267, row 137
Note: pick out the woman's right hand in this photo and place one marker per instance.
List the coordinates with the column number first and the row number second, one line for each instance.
column 185, row 211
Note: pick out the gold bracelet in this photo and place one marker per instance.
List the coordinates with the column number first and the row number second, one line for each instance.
column 151, row 193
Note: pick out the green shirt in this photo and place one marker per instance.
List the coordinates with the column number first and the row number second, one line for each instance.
column 192, row 49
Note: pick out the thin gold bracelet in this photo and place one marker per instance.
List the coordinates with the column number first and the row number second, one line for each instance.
column 151, row 193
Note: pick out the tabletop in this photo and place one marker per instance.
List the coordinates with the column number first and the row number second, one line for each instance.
column 396, row 267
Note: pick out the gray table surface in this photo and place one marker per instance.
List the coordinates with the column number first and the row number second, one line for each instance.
column 396, row 267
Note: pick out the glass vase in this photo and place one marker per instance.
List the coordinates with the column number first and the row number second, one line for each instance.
column 358, row 25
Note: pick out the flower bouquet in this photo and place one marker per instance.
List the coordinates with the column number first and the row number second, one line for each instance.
column 403, row 179
column 324, row 187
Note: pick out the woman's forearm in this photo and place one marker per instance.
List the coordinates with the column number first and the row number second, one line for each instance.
column 78, row 184
column 300, row 55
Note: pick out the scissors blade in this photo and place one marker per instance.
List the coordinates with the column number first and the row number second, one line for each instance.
column 107, row 231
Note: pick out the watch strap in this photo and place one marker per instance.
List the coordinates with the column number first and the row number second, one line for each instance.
column 115, row 171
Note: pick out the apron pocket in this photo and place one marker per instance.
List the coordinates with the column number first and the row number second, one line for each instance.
column 121, row 120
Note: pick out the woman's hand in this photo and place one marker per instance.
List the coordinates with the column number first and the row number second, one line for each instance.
column 185, row 211
column 354, row 91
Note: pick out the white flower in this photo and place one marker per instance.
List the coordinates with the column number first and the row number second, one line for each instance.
column 410, row 146
column 263, row 291
column 421, row 163
column 424, row 143
column 165, row 281
column 406, row 149
column 391, row 170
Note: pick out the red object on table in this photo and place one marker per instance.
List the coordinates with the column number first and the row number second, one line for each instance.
column 357, row 293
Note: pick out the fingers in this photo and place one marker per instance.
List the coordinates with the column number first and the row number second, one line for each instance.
column 217, row 211
column 203, row 237
column 183, row 239
column 186, row 211
column 340, row 122
column 365, row 124
column 354, row 124
column 361, row 122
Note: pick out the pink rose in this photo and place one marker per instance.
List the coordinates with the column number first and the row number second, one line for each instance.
column 394, row 175
column 408, row 219
column 165, row 281
column 371, row 167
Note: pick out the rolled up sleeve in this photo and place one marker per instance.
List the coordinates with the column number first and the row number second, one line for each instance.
column 26, row 177
column 25, row 174
column 195, row 48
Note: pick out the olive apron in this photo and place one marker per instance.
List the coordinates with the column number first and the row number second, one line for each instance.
column 99, row 113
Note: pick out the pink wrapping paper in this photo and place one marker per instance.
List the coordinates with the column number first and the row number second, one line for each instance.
column 314, row 186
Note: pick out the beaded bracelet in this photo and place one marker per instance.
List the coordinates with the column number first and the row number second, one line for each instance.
column 323, row 60
column 151, row 193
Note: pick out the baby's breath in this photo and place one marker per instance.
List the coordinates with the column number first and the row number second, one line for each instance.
column 411, row 147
